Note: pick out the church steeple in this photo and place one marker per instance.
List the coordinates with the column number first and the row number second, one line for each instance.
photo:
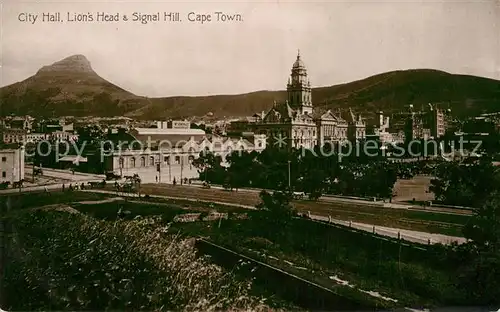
column 299, row 87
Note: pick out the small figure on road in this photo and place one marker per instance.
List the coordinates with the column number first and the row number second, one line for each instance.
column 72, row 170
column 156, row 179
column 70, row 188
column 174, row 182
column 63, row 187
column 46, row 190
column 82, row 186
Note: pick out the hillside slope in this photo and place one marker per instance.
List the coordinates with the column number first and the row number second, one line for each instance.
column 390, row 92
column 71, row 87
column 67, row 87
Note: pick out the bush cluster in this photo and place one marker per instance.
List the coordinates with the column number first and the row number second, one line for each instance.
column 61, row 261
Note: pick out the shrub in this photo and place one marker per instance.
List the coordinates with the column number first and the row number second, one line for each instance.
column 69, row 261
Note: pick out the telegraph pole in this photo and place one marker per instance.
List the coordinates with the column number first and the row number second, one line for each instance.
column 182, row 166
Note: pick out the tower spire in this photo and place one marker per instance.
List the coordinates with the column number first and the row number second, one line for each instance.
column 298, row 53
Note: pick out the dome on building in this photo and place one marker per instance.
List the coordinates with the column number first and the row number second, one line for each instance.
column 299, row 64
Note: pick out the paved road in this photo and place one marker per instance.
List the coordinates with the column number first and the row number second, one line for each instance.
column 53, row 179
column 362, row 215
column 66, row 174
column 41, row 188
column 325, row 198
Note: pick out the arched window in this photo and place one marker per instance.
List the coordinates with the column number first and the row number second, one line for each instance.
column 143, row 162
column 132, row 162
column 151, row 160
column 177, row 159
column 166, row 159
column 190, row 158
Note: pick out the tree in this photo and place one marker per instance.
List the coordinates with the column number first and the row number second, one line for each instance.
column 481, row 255
column 91, row 135
column 465, row 184
column 243, row 168
column 272, row 166
column 314, row 183
column 276, row 207
column 483, row 229
column 209, row 167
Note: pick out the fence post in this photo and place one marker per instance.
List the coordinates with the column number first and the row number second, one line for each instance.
column 329, row 219
column 399, row 235
column 429, row 241
column 350, row 224
column 374, row 229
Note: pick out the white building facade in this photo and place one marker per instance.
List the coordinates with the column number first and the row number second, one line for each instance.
column 11, row 164
column 170, row 155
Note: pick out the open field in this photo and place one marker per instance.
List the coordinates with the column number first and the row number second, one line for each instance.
column 441, row 223
column 417, row 187
column 38, row 199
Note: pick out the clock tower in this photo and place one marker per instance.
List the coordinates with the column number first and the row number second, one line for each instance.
column 299, row 88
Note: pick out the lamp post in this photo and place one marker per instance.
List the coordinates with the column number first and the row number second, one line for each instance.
column 158, row 168
column 169, row 170
column 182, row 166
column 289, row 176
column 33, row 172
column 21, row 155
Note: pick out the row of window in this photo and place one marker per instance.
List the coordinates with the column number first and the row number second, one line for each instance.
column 152, row 161
column 303, row 132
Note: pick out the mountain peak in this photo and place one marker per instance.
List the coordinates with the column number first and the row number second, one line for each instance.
column 73, row 63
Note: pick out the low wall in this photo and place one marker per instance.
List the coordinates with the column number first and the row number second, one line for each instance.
column 288, row 286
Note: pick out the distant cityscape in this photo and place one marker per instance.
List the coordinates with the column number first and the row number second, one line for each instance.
column 296, row 122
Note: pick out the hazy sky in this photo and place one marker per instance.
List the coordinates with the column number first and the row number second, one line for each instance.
column 340, row 41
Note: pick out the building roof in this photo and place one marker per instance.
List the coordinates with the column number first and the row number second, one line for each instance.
column 168, row 131
column 166, row 141
column 74, row 159
column 10, row 146
column 12, row 130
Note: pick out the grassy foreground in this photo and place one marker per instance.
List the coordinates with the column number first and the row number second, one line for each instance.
column 91, row 260
column 317, row 252
column 69, row 261
column 411, row 276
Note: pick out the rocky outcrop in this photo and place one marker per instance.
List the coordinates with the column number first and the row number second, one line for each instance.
column 74, row 63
